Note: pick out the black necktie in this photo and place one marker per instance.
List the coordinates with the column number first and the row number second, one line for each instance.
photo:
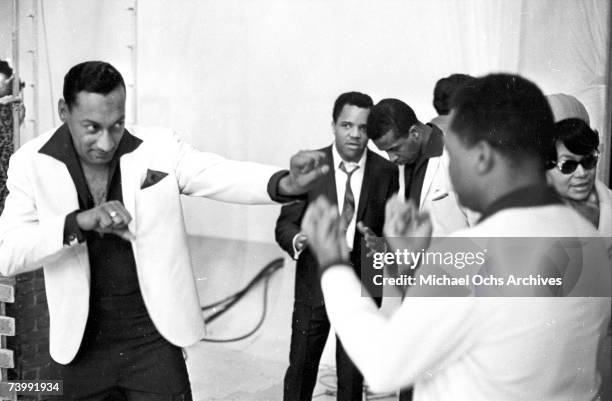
column 348, row 206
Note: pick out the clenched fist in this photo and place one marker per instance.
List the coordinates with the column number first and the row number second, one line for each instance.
column 306, row 167
column 107, row 218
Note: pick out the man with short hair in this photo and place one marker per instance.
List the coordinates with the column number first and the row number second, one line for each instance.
column 98, row 207
column 360, row 183
column 442, row 94
column 418, row 151
column 472, row 348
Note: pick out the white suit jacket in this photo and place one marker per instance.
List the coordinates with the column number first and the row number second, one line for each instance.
column 42, row 193
column 440, row 200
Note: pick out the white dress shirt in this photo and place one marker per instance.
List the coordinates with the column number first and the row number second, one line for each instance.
column 356, row 182
column 401, row 194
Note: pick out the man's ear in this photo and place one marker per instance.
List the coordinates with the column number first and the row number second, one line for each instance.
column 484, row 157
column 413, row 132
column 62, row 110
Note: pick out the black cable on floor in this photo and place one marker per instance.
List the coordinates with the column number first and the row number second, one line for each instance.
column 228, row 302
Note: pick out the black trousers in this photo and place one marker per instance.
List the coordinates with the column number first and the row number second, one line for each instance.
column 309, row 330
column 123, row 357
column 406, row 395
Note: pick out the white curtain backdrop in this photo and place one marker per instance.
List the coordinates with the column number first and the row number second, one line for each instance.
column 257, row 79
column 565, row 49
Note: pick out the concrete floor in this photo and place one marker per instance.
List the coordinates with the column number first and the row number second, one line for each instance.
column 251, row 369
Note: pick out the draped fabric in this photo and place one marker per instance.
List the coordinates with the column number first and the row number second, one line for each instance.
column 6, row 147
column 257, row 79
column 565, row 50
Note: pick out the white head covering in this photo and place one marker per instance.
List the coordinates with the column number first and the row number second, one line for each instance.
column 567, row 106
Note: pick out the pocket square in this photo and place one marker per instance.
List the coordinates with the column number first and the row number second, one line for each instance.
column 439, row 194
column 153, row 177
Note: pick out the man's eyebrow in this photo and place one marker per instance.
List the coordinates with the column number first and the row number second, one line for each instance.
column 87, row 120
column 120, row 119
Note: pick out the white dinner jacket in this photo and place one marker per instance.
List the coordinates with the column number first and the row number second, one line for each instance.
column 42, row 193
column 440, row 200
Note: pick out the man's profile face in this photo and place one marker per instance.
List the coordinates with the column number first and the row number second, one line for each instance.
column 401, row 149
column 350, row 132
column 96, row 123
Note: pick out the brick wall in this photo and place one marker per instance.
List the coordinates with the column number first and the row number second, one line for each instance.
column 31, row 340
column 7, row 328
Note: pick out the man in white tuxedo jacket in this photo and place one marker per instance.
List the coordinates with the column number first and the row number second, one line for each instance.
column 98, row 207
column 418, row 150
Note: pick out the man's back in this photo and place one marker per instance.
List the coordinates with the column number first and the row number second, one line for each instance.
column 524, row 348
column 476, row 348
column 519, row 349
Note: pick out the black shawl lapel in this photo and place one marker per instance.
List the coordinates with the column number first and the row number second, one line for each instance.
column 368, row 175
column 329, row 184
column 61, row 148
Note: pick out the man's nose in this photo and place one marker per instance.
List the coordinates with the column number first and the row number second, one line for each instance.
column 105, row 143
column 354, row 132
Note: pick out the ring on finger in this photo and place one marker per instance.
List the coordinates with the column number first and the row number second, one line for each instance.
column 112, row 214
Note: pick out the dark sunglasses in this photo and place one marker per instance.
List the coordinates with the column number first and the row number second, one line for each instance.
column 569, row 166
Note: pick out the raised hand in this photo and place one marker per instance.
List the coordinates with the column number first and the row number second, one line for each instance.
column 107, row 218
column 405, row 227
column 374, row 243
column 305, row 168
column 321, row 225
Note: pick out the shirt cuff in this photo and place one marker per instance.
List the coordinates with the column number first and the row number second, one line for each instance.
column 273, row 189
column 72, row 233
column 334, row 263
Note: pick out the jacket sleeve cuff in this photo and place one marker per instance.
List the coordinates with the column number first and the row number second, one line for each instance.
column 72, row 233
column 273, row 189
column 296, row 253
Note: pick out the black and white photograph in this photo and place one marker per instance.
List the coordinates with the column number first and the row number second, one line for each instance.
column 296, row 200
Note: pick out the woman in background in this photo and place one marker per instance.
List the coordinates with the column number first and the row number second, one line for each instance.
column 573, row 173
